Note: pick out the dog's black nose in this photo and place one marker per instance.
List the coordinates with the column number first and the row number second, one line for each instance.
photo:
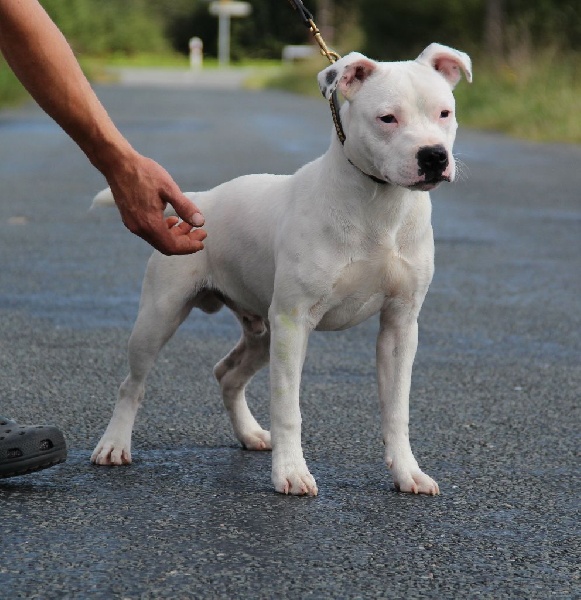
column 432, row 161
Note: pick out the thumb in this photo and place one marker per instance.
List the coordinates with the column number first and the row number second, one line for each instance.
column 186, row 209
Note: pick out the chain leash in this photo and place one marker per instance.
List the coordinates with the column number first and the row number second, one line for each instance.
column 332, row 56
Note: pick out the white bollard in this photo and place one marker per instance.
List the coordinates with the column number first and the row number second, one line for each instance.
column 196, row 53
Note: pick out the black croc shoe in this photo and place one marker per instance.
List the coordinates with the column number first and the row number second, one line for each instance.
column 27, row 449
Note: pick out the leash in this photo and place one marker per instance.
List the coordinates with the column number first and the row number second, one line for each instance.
column 307, row 18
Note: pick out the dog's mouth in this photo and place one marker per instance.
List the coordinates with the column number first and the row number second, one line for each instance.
column 429, row 184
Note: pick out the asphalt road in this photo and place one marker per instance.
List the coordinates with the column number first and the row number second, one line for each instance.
column 495, row 394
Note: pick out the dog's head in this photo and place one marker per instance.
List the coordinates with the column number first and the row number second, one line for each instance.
column 399, row 118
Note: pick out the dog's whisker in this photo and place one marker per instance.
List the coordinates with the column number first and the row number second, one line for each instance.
column 462, row 170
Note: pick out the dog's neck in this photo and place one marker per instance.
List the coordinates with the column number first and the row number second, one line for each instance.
column 372, row 177
column 359, row 211
column 350, row 191
column 352, row 170
column 341, row 137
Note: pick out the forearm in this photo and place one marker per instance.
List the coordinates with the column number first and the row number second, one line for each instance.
column 43, row 61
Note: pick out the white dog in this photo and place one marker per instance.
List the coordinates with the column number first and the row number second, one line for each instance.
column 347, row 236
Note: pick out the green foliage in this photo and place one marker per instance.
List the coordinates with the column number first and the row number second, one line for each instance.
column 267, row 31
column 400, row 29
column 270, row 26
column 104, row 26
column 11, row 91
column 392, row 30
column 298, row 78
column 547, row 22
column 536, row 98
column 196, row 21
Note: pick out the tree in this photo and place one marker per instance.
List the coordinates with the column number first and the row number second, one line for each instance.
column 494, row 28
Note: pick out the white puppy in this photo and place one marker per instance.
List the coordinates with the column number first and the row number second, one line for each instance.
column 346, row 237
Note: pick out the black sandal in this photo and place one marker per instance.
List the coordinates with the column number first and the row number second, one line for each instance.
column 27, row 449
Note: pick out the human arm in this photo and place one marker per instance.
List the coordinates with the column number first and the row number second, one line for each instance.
column 43, row 61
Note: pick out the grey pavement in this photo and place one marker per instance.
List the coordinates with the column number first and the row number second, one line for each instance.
column 495, row 393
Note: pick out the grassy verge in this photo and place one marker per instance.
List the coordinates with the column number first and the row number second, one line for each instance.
column 96, row 69
column 537, row 98
column 99, row 69
column 11, row 91
column 297, row 78
column 145, row 60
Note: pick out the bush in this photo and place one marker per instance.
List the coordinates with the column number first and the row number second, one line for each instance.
column 103, row 26
column 402, row 30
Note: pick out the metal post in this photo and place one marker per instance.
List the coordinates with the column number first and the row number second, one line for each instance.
column 224, row 39
column 225, row 10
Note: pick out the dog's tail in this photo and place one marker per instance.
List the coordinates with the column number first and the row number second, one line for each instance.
column 103, row 198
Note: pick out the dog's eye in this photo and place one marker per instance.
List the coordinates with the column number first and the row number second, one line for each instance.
column 445, row 114
column 388, row 119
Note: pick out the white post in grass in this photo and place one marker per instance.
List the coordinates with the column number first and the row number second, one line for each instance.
column 196, row 53
column 225, row 10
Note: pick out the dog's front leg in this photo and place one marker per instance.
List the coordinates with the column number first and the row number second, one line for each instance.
column 289, row 335
column 396, row 349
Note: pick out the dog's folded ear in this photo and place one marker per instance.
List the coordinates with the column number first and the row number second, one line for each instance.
column 448, row 62
column 348, row 74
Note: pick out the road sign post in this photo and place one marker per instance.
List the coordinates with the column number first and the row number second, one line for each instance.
column 225, row 10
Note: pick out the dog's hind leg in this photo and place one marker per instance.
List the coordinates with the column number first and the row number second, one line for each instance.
column 234, row 372
column 162, row 309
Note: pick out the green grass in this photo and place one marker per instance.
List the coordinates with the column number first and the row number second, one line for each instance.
column 11, row 91
column 538, row 100
column 298, row 78
column 153, row 60
column 167, row 60
column 99, row 68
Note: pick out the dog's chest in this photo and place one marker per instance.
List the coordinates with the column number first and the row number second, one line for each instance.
column 360, row 288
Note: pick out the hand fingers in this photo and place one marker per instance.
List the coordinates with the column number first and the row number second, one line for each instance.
column 145, row 216
column 177, row 237
column 177, row 243
column 186, row 244
column 181, row 227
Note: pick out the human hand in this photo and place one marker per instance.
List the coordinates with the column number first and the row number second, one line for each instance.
column 142, row 189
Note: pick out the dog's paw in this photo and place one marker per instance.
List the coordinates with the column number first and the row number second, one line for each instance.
column 256, row 440
column 407, row 475
column 111, row 452
column 294, row 478
column 416, row 483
